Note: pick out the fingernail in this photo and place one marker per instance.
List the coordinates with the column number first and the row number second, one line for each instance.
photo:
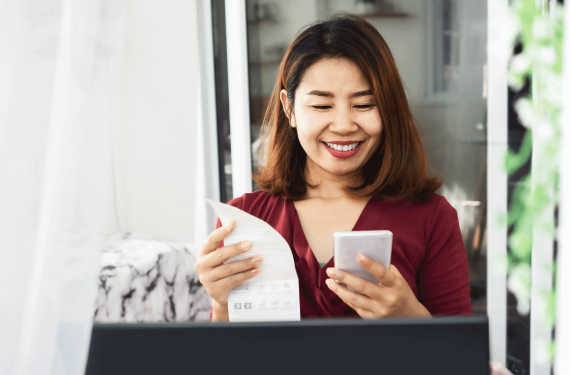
column 245, row 245
column 329, row 282
column 257, row 259
column 331, row 272
column 362, row 258
column 229, row 225
column 255, row 271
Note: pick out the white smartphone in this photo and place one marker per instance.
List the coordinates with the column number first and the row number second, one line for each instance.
column 376, row 244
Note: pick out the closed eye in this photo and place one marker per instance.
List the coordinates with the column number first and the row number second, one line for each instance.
column 322, row 106
column 364, row 106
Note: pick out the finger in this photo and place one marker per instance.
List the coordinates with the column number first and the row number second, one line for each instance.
column 384, row 276
column 356, row 304
column 214, row 239
column 238, row 278
column 363, row 286
column 360, row 311
column 219, row 256
column 352, row 299
column 232, row 268
column 395, row 271
column 365, row 314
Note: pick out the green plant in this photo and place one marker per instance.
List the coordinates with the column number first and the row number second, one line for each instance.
column 534, row 198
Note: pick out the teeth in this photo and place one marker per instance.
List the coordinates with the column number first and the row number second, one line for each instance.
column 343, row 148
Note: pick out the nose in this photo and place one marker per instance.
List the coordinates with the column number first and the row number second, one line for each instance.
column 343, row 123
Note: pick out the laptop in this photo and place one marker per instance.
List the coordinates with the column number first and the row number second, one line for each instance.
column 440, row 345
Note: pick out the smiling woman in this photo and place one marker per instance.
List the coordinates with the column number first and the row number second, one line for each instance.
column 316, row 69
column 343, row 153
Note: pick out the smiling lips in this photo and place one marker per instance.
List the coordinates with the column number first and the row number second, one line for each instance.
column 343, row 149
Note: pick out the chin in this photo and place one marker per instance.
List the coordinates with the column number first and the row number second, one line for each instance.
column 344, row 172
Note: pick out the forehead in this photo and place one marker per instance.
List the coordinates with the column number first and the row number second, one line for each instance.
column 337, row 75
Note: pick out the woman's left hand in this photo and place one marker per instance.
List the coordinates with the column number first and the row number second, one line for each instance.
column 392, row 296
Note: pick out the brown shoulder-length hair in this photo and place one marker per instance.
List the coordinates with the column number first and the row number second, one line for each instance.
column 399, row 167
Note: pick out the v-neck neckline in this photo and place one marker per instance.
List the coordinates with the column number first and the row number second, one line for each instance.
column 298, row 231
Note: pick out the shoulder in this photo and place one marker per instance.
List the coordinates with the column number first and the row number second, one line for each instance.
column 438, row 206
column 442, row 210
column 435, row 205
column 259, row 203
column 260, row 197
column 422, row 218
column 438, row 212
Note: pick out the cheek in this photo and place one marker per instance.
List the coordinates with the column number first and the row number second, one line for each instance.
column 373, row 125
column 306, row 139
column 310, row 119
column 309, row 126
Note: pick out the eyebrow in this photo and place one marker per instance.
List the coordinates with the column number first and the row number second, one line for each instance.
column 329, row 94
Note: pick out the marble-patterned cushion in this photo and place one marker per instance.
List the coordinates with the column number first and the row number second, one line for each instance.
column 148, row 280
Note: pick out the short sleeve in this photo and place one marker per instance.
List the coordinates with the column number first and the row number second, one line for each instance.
column 443, row 280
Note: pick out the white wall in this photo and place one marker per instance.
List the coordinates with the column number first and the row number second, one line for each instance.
column 155, row 157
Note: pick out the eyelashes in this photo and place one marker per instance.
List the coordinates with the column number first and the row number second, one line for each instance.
column 325, row 107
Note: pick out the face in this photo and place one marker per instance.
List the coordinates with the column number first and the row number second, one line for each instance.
column 338, row 122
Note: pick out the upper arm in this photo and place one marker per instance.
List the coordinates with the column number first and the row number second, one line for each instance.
column 443, row 280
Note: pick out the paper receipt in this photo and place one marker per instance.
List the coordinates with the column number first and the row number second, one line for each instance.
column 273, row 294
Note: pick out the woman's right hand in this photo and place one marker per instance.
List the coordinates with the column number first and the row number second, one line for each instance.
column 218, row 278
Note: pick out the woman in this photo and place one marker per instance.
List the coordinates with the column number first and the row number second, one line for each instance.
column 344, row 154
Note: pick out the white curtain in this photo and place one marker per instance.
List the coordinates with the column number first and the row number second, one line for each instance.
column 59, row 60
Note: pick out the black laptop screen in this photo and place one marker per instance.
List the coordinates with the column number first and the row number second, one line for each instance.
column 443, row 345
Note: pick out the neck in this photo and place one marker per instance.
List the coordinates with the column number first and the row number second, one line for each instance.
column 328, row 186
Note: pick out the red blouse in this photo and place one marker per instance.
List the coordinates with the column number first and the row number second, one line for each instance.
column 427, row 249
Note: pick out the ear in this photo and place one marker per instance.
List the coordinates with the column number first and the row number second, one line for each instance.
column 286, row 103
